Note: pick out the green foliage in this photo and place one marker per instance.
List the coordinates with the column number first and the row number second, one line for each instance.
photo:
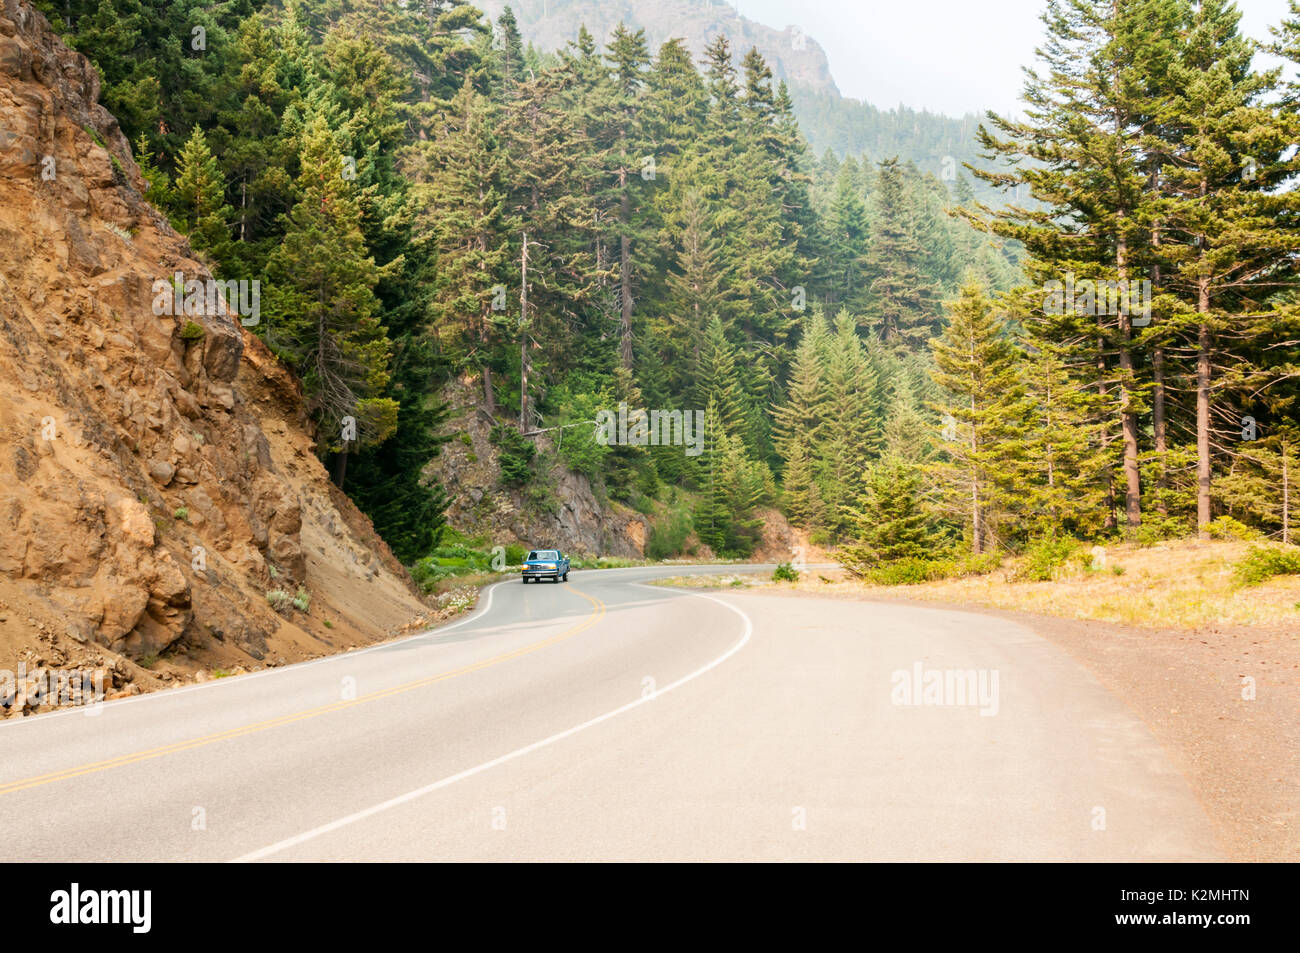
column 785, row 573
column 1225, row 527
column 1264, row 562
column 192, row 332
column 908, row 571
column 379, row 168
column 667, row 537
column 889, row 522
column 515, row 455
column 1043, row 557
column 302, row 600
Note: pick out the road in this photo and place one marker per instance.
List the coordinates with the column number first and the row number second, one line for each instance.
column 604, row 719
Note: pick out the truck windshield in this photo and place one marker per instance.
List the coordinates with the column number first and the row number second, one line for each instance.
column 544, row 554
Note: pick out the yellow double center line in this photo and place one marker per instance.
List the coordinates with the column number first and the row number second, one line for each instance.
column 598, row 613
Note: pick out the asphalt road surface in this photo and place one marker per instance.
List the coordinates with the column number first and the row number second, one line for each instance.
column 603, row 719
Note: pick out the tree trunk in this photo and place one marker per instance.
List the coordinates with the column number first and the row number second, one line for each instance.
column 1286, row 495
column 1102, row 390
column 1203, row 417
column 977, row 523
column 341, row 466
column 625, row 267
column 1128, row 418
column 523, row 335
column 489, row 395
column 1158, row 422
column 1161, row 430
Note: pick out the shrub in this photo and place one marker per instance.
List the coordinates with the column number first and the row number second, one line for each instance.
column 668, row 536
column 1225, row 527
column 302, row 600
column 1155, row 529
column 785, row 573
column 182, row 513
column 981, row 565
column 1264, row 562
column 515, row 554
column 909, row 571
column 192, row 332
column 1043, row 557
column 279, row 600
column 515, row 455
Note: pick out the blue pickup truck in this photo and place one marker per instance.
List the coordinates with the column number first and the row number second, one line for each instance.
column 546, row 564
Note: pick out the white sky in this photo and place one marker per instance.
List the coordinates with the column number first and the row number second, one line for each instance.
column 948, row 56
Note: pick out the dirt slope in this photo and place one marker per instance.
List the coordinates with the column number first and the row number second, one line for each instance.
column 155, row 485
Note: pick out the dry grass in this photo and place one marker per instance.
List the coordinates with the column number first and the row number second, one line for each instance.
column 1179, row 584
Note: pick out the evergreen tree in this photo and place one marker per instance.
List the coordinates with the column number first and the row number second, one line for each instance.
column 890, row 523
column 983, row 417
column 904, row 307
column 199, row 196
column 322, row 313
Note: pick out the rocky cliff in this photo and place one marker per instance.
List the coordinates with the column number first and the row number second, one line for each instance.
column 160, row 506
column 570, row 516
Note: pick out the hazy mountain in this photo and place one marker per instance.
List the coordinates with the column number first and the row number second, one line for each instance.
column 792, row 55
column 828, row 119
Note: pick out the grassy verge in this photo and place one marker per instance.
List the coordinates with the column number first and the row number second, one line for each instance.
column 1178, row 584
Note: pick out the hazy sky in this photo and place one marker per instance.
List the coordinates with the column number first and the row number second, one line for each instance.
column 948, row 56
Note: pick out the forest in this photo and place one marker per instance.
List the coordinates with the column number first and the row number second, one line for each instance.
column 881, row 351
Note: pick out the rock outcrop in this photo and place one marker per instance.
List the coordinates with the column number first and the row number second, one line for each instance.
column 571, row 516
column 155, row 479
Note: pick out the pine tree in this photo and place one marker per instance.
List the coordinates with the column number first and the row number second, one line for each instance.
column 1221, row 215
column 1262, row 484
column 716, row 380
column 975, row 364
column 904, row 302
column 199, row 196
column 803, row 502
column 801, row 420
column 848, row 243
column 890, row 523
column 852, row 432
column 322, row 313
column 1058, row 485
column 464, row 210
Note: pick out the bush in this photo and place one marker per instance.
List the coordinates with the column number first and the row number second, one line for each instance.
column 515, row 455
column 1043, row 557
column 910, row 571
column 668, row 537
column 279, row 600
column 1225, row 527
column 981, row 565
column 515, row 554
column 785, row 573
column 302, row 601
column 1265, row 562
column 192, row 332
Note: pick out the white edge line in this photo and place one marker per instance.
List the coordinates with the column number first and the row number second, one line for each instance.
column 517, row 753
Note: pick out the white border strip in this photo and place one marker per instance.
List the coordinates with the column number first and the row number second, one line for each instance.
column 517, row 753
